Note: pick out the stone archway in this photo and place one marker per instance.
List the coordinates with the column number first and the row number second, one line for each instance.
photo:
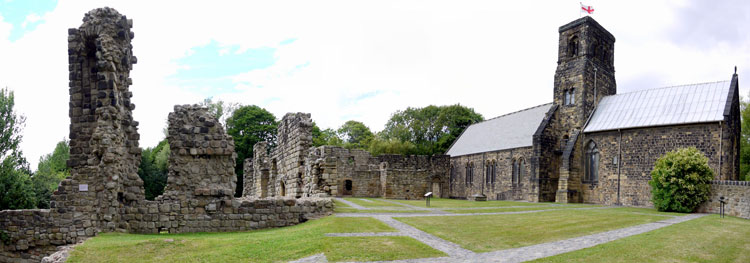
column 348, row 187
column 436, row 187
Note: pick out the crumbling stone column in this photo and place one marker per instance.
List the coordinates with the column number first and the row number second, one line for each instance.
column 202, row 158
column 104, row 152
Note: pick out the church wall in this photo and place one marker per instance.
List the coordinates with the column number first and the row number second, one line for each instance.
column 503, row 188
column 640, row 148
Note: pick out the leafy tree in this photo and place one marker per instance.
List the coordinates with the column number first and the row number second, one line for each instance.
column 745, row 141
column 431, row 129
column 153, row 169
column 680, row 180
column 325, row 137
column 220, row 109
column 51, row 170
column 16, row 190
column 380, row 146
column 15, row 185
column 355, row 135
column 249, row 125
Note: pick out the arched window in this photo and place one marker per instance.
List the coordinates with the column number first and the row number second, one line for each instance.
column 487, row 172
column 592, row 162
column 521, row 170
column 514, row 177
column 573, row 47
column 494, row 172
column 572, row 96
column 566, row 100
column 469, row 173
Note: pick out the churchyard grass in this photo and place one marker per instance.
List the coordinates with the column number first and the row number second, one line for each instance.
column 268, row 245
column 354, row 210
column 706, row 239
column 515, row 209
column 373, row 202
column 444, row 202
column 495, row 232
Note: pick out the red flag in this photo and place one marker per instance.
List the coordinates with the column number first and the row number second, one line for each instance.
column 587, row 8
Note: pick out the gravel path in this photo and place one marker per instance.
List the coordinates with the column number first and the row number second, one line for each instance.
column 353, row 205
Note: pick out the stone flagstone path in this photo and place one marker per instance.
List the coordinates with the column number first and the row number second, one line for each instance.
column 458, row 254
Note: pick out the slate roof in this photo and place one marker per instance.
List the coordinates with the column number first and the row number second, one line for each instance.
column 508, row 131
column 695, row 103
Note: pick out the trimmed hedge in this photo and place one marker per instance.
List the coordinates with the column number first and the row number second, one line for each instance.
column 680, row 180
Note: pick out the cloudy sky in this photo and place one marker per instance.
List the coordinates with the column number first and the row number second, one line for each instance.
column 361, row 60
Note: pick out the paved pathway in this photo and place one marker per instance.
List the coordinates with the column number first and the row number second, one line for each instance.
column 458, row 254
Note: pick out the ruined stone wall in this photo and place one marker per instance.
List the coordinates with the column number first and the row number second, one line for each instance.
column 202, row 158
column 330, row 167
column 412, row 176
column 736, row 195
column 104, row 192
column 503, row 188
column 640, row 148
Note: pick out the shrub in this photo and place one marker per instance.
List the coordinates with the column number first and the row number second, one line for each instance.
column 680, row 180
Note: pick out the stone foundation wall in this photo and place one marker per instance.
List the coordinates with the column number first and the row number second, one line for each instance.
column 736, row 195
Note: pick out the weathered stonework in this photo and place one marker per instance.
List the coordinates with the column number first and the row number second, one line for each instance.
column 736, row 197
column 555, row 162
column 295, row 169
column 104, row 192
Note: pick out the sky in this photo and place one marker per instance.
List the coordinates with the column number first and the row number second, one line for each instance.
column 357, row 60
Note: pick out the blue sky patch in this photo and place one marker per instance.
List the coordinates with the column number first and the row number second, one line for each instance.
column 208, row 69
column 16, row 13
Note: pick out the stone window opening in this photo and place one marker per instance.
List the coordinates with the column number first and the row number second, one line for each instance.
column 572, row 96
column 283, row 188
column 592, row 163
column 514, row 173
column 573, row 46
column 563, row 142
column 521, row 170
column 566, row 100
column 469, row 173
column 494, row 172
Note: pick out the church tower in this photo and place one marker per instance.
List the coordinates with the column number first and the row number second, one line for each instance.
column 585, row 74
column 585, row 71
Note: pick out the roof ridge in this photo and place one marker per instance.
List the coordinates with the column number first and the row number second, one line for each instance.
column 514, row 112
column 673, row 86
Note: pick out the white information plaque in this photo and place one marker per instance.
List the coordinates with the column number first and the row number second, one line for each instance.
column 83, row 188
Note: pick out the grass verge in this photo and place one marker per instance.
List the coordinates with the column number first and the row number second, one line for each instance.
column 706, row 239
column 496, row 232
column 269, row 245
column 445, row 202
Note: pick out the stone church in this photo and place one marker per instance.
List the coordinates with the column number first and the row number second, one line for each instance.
column 591, row 144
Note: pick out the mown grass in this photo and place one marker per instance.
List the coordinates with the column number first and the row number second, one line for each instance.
column 444, row 202
column 374, row 202
column 269, row 245
column 515, row 209
column 706, row 239
column 354, row 210
column 495, row 232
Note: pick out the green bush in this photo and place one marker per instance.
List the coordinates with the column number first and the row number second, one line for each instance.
column 680, row 180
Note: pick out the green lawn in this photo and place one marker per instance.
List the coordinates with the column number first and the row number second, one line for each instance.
column 444, row 202
column 354, row 210
column 375, row 202
column 706, row 239
column 515, row 209
column 269, row 245
column 496, row 232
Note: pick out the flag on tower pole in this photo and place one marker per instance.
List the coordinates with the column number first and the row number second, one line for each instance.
column 586, row 8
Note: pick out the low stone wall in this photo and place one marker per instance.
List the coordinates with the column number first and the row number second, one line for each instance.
column 736, row 195
column 29, row 235
column 221, row 215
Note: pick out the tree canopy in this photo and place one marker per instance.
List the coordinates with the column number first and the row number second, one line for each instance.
column 153, row 169
column 431, row 129
column 16, row 191
column 52, row 169
column 745, row 141
column 249, row 125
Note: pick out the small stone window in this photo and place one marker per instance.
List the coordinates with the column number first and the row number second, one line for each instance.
column 514, row 174
column 521, row 171
column 570, row 97
column 494, row 172
column 592, row 163
column 469, row 173
column 573, row 47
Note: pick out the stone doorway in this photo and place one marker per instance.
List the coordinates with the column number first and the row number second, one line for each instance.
column 264, row 183
column 348, row 186
column 436, row 189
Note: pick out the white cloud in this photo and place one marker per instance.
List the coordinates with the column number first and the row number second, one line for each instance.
column 30, row 19
column 494, row 56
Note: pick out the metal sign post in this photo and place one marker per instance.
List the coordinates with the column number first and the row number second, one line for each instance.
column 427, row 198
column 721, row 208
